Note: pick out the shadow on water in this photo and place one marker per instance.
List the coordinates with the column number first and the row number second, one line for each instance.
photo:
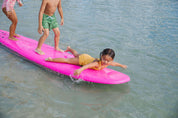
column 2, row 115
column 94, row 96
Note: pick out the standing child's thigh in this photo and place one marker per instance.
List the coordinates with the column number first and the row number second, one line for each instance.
column 12, row 17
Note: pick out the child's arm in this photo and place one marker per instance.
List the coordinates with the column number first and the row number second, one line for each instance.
column 19, row 2
column 60, row 12
column 90, row 65
column 40, row 17
column 117, row 64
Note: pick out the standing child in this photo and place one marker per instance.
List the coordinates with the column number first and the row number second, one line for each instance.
column 86, row 61
column 8, row 9
column 47, row 21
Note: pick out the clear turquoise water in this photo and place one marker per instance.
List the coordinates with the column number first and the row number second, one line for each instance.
column 144, row 35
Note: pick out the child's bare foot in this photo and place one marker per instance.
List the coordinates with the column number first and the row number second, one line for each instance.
column 38, row 51
column 68, row 49
column 58, row 49
column 16, row 35
column 14, row 39
column 48, row 59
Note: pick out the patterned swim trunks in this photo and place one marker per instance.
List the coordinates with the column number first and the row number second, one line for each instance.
column 49, row 22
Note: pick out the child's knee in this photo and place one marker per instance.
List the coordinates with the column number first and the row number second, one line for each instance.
column 57, row 33
column 46, row 34
column 15, row 21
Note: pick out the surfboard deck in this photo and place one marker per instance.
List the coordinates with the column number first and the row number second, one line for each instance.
column 26, row 46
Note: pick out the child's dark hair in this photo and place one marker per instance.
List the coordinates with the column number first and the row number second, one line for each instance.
column 109, row 52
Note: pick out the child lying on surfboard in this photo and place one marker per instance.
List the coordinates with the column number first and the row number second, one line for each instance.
column 86, row 61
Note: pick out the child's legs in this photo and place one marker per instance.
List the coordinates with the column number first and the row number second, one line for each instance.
column 14, row 23
column 43, row 38
column 56, row 37
column 74, row 61
column 13, row 18
column 74, row 52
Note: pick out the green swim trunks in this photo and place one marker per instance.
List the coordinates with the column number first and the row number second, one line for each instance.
column 49, row 22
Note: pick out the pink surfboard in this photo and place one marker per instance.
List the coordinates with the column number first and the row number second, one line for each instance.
column 26, row 46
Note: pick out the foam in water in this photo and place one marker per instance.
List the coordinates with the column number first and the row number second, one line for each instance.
column 75, row 80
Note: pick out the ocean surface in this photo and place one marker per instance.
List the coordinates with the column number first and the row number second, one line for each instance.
column 144, row 35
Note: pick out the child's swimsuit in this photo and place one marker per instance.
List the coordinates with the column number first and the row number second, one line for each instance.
column 9, row 4
column 49, row 22
column 85, row 59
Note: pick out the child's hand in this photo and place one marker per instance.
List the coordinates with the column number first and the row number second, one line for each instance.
column 124, row 66
column 20, row 4
column 62, row 21
column 77, row 72
column 40, row 29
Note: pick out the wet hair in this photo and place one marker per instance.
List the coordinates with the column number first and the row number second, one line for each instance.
column 109, row 52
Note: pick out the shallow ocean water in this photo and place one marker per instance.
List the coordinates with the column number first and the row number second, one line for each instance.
column 144, row 36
